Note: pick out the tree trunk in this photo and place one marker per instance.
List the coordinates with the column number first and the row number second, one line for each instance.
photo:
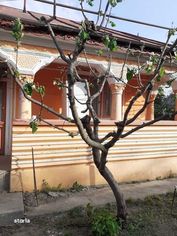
column 107, row 175
column 120, row 201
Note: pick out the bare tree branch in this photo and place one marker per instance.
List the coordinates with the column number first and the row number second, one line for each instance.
column 104, row 15
column 139, row 67
column 43, row 19
column 148, row 123
column 82, row 10
column 99, row 11
column 72, row 134
column 108, row 17
column 111, row 134
column 146, row 103
column 125, row 60
column 85, row 54
column 146, row 87
column 35, row 101
column 78, row 122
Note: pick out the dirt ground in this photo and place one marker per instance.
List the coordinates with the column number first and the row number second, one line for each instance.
column 149, row 217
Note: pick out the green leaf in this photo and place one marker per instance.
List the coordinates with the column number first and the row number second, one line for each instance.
column 83, row 35
column 33, row 126
column 106, row 40
column 113, row 3
column 130, row 73
column 149, row 69
column 161, row 74
column 151, row 62
column 112, row 23
column 17, row 30
column 28, row 88
column 100, row 52
column 41, row 90
column 112, row 45
column 16, row 73
column 90, row 2
column 59, row 84
column 171, row 32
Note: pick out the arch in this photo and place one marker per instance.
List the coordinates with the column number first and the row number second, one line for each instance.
column 29, row 61
column 54, row 97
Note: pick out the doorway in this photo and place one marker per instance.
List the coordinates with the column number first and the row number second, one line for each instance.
column 6, row 92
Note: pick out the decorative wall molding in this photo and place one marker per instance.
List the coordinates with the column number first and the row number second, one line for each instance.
column 29, row 61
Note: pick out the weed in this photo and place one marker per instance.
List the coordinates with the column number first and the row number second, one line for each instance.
column 159, row 178
column 103, row 223
column 171, row 175
column 76, row 187
column 47, row 188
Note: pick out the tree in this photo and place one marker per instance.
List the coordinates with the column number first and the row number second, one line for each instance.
column 88, row 126
column 164, row 104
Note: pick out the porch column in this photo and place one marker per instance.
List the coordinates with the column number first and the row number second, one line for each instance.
column 116, row 106
column 25, row 106
column 150, row 107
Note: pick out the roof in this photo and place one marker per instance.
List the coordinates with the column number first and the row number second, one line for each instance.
column 70, row 28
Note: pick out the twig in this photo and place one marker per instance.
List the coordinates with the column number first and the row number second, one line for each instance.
column 99, row 11
column 145, row 124
column 82, row 10
column 125, row 60
column 58, row 128
column 104, row 15
column 43, row 19
column 94, row 74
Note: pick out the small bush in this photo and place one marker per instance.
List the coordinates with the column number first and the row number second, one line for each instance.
column 103, row 223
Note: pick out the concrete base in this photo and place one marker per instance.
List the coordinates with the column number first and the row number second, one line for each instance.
column 11, row 207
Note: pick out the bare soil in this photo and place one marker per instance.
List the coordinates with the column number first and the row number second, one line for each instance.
column 149, row 217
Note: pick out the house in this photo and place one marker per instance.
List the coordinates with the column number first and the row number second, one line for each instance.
column 59, row 159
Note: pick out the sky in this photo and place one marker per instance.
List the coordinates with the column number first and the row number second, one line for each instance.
column 160, row 12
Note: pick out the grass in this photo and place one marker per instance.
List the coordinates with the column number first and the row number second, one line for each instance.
column 152, row 216
column 148, row 217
